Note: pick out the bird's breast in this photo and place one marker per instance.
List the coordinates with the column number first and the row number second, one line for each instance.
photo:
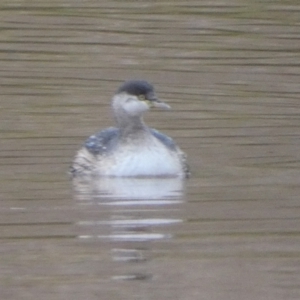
column 148, row 159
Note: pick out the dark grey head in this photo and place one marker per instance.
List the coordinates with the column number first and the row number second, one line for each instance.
column 139, row 88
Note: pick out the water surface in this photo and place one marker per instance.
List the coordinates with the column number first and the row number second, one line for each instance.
column 230, row 70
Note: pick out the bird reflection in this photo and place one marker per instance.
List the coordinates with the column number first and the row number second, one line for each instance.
column 138, row 211
column 129, row 188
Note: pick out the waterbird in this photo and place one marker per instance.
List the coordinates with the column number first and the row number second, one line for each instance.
column 131, row 149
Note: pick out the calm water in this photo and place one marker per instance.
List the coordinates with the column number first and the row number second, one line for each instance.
column 230, row 70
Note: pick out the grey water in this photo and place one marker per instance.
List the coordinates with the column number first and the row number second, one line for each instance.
column 230, row 71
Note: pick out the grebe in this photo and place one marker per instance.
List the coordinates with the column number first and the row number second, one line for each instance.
column 131, row 149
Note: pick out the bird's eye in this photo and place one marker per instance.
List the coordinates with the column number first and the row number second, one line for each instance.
column 142, row 97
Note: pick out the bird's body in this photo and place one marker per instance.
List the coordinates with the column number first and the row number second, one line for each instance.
column 131, row 149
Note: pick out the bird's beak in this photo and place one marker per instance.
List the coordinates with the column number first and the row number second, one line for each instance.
column 153, row 101
column 160, row 104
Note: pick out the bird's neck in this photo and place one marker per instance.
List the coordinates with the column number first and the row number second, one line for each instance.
column 131, row 126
